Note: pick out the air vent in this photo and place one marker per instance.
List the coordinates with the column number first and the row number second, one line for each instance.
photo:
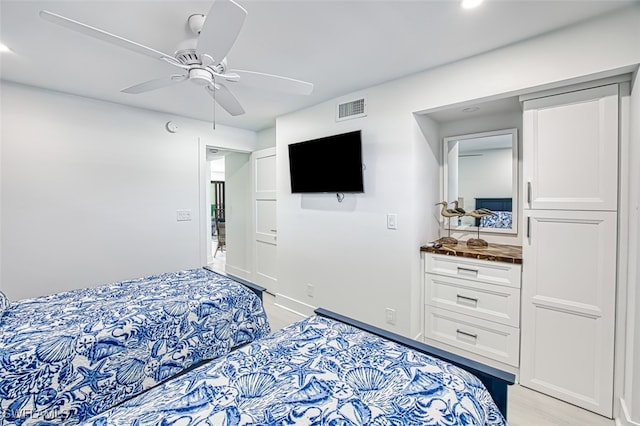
column 352, row 109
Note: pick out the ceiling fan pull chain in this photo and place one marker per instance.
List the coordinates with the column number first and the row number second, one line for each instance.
column 214, row 104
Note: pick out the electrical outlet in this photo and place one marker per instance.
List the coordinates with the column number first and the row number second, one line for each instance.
column 392, row 221
column 183, row 215
column 390, row 315
column 310, row 289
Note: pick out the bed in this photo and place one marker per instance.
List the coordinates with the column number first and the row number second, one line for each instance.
column 69, row 356
column 325, row 370
column 502, row 209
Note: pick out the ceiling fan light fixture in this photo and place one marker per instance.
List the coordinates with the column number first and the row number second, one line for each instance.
column 200, row 76
column 470, row 4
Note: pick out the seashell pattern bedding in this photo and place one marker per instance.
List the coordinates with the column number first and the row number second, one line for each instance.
column 315, row 372
column 69, row 356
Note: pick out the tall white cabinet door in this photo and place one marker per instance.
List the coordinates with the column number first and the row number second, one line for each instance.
column 568, row 296
column 265, row 225
column 571, row 150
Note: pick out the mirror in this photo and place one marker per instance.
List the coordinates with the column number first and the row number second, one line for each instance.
column 481, row 171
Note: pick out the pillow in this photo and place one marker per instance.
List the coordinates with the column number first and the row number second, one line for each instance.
column 4, row 303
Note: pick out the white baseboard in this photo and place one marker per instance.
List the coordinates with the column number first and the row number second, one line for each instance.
column 293, row 305
column 625, row 417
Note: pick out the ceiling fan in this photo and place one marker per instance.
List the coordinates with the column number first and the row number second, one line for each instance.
column 202, row 59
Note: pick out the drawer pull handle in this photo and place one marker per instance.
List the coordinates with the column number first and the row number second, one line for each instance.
column 467, row 270
column 467, row 299
column 529, row 193
column 465, row 333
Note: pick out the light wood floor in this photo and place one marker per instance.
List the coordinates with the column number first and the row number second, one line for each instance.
column 526, row 407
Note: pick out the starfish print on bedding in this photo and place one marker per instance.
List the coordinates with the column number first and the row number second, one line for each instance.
column 403, row 363
column 91, row 377
column 301, row 371
column 197, row 331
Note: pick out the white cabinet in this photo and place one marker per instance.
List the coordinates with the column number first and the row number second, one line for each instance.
column 486, row 301
column 570, row 165
column 472, row 307
column 569, row 283
column 570, row 150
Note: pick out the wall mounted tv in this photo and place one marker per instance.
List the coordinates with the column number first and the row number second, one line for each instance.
column 329, row 164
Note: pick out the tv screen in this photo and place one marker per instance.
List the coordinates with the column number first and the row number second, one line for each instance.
column 329, row 164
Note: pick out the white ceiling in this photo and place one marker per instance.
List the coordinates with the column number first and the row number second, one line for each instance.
column 340, row 46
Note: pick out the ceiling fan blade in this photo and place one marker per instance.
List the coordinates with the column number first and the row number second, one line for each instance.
column 273, row 82
column 108, row 37
column 220, row 29
column 155, row 84
column 225, row 99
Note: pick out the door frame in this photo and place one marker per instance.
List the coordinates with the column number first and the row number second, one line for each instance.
column 204, row 198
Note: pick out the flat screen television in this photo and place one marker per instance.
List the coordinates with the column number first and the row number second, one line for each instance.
column 329, row 164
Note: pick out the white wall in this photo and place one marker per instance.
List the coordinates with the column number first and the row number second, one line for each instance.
column 90, row 191
column 217, row 169
column 344, row 249
column 426, row 166
column 359, row 267
column 267, row 138
column 485, row 176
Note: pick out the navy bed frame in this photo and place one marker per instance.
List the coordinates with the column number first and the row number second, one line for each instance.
column 496, row 381
column 258, row 290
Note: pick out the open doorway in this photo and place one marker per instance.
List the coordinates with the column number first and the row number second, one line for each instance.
column 217, row 191
column 233, row 208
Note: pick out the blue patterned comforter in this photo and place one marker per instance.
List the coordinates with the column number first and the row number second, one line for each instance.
column 72, row 355
column 315, row 372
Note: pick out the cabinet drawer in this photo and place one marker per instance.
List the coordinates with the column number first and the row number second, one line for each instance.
column 495, row 341
column 481, row 300
column 500, row 273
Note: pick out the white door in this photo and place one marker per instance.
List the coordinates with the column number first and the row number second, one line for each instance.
column 238, row 214
column 265, row 224
column 571, row 150
column 568, row 311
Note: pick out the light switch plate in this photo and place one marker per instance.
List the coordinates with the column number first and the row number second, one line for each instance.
column 392, row 221
column 390, row 316
column 183, row 215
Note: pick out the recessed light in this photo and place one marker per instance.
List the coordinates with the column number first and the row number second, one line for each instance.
column 470, row 4
column 471, row 109
column 4, row 48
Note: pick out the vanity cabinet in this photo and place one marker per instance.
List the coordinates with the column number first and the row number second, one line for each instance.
column 472, row 306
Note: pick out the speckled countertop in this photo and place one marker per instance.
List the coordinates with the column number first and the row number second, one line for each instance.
column 494, row 252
